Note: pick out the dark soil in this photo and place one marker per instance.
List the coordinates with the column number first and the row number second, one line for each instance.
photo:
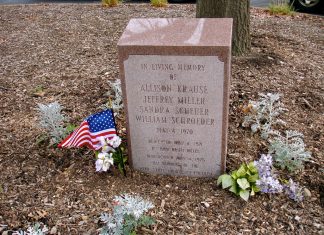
column 69, row 51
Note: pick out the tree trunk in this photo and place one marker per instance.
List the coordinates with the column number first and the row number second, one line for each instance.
column 239, row 10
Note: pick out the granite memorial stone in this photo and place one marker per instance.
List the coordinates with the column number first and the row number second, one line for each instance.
column 175, row 77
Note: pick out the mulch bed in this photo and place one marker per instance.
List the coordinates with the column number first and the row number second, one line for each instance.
column 69, row 52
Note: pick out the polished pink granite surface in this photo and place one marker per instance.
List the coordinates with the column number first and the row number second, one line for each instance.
column 175, row 77
column 178, row 32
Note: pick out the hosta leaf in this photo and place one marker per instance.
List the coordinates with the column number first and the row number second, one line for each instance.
column 226, row 181
column 252, row 168
column 253, row 178
column 234, row 189
column 219, row 180
column 243, row 183
column 255, row 188
column 244, row 194
column 241, row 172
column 234, row 175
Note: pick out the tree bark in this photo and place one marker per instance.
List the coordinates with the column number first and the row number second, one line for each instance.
column 239, row 10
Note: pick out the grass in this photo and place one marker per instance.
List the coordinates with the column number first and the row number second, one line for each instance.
column 280, row 7
column 110, row 3
column 159, row 3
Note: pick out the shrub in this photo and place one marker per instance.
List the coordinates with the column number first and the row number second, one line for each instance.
column 128, row 215
column 263, row 114
column 52, row 120
column 159, row 3
column 115, row 96
column 289, row 150
column 37, row 229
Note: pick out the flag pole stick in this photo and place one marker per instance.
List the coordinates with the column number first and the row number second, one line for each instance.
column 110, row 103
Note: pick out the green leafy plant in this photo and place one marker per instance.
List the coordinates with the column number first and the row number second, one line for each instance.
column 159, row 3
column 120, row 158
column 289, row 150
column 281, row 7
column 70, row 128
column 39, row 91
column 241, row 182
column 110, row 3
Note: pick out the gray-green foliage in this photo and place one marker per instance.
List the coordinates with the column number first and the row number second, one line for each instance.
column 37, row 229
column 115, row 95
column 241, row 182
column 289, row 150
column 264, row 114
column 52, row 120
column 128, row 214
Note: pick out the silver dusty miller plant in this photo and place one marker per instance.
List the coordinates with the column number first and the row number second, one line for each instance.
column 37, row 229
column 289, row 150
column 264, row 113
column 128, row 214
column 115, row 96
column 52, row 120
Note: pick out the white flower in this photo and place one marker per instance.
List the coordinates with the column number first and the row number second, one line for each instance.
column 102, row 140
column 115, row 141
column 105, row 148
column 104, row 161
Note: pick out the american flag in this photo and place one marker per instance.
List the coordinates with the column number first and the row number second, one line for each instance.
column 94, row 126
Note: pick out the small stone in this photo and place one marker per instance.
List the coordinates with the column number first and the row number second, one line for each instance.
column 307, row 193
column 167, row 186
column 317, row 225
column 53, row 230
column 206, row 204
column 297, row 218
column 81, row 223
column 162, row 204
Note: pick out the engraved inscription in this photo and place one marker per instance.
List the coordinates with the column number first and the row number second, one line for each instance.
column 175, row 106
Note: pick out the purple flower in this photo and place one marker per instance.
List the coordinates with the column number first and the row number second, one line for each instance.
column 264, row 165
column 293, row 191
column 268, row 183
